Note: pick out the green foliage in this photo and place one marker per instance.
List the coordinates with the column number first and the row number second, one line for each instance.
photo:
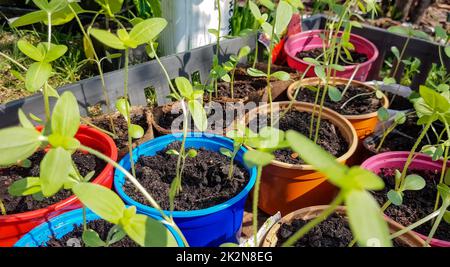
column 18, row 144
column 365, row 217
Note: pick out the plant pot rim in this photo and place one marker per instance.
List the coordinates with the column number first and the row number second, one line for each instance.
column 339, row 81
column 119, row 177
column 310, row 212
column 401, row 156
column 311, row 33
column 72, row 217
column 327, row 113
column 42, row 212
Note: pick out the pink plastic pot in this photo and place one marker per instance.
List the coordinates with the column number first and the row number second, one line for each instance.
column 311, row 39
column 14, row 226
column 398, row 160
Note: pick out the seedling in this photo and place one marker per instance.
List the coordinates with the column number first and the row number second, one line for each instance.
column 142, row 33
column 58, row 171
column 273, row 32
column 364, row 215
column 400, row 118
column 230, row 66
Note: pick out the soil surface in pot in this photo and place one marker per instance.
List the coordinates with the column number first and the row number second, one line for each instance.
column 333, row 232
column 120, row 125
column 242, row 89
column 356, row 58
column 398, row 102
column 85, row 163
column 363, row 104
column 330, row 138
column 216, row 122
column 416, row 204
column 205, row 180
column 74, row 238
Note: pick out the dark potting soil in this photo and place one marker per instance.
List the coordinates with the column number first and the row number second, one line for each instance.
column 74, row 238
column 85, row 163
column 416, row 204
column 356, row 58
column 398, row 102
column 241, row 89
column 396, row 141
column 120, row 125
column 205, row 180
column 330, row 138
column 362, row 104
column 230, row 112
column 333, row 232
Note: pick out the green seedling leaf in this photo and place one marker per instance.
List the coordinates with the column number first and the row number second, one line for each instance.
column 54, row 170
column 184, row 86
column 311, row 61
column 254, row 9
column 256, row 73
column 147, row 30
column 68, row 143
column 282, row 75
column 136, row 131
column 444, row 191
column 366, row 220
column 24, row 121
column 139, row 227
column 112, row 6
column 428, row 149
column 18, row 144
column 226, row 152
column 107, row 39
column 56, row 5
column 446, row 217
column 213, row 32
column 400, row 118
column 316, row 156
column 443, row 87
column 122, row 104
column 66, row 116
column 172, row 152
column 92, row 239
column 149, row 50
column 89, row 176
column 30, row 50
column 17, row 75
column 389, row 80
column 383, row 114
column 395, row 197
column 447, row 51
column 334, row 94
column 440, row 32
column 30, row 18
column 25, row 187
column 283, row 17
column 51, row 92
column 320, row 72
column 447, row 177
column 192, row 153
column 38, row 196
column 101, row 200
column 434, row 99
column 379, row 94
column 26, row 163
column 337, row 67
column 198, row 114
column 116, row 233
column 414, row 182
column 226, row 78
column 268, row 4
column 254, row 158
column 38, row 73
column 55, row 52
column 267, row 29
column 396, row 52
column 358, row 178
column 244, row 51
column 438, row 153
column 399, row 30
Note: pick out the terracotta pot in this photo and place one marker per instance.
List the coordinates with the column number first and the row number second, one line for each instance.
column 271, row 239
column 398, row 160
column 13, row 226
column 288, row 187
column 148, row 135
column 364, row 124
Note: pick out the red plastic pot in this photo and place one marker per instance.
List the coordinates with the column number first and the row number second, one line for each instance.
column 398, row 160
column 311, row 39
column 14, row 226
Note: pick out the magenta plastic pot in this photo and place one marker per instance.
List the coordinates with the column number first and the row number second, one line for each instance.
column 311, row 39
column 397, row 160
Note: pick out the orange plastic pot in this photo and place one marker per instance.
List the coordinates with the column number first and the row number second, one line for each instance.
column 14, row 226
column 408, row 239
column 288, row 187
column 364, row 124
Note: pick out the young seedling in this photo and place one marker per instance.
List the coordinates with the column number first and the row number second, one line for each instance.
column 58, row 171
column 273, row 32
column 383, row 115
column 142, row 33
column 264, row 142
column 364, row 215
column 230, row 66
column 430, row 107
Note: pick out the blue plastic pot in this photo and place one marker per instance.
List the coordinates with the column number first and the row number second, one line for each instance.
column 206, row 227
column 60, row 226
